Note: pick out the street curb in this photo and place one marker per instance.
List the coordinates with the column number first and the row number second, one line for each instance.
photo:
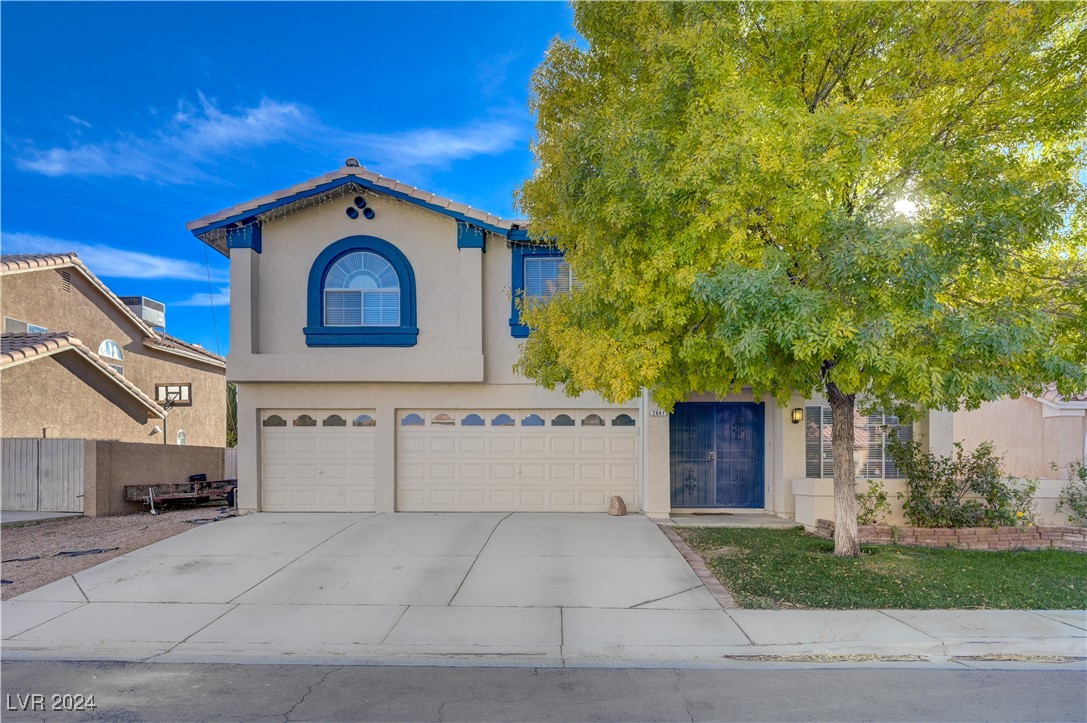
column 698, row 565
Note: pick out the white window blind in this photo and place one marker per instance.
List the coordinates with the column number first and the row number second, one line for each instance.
column 362, row 289
column 546, row 276
column 870, row 440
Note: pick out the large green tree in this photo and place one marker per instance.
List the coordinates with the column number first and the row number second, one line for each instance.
column 878, row 202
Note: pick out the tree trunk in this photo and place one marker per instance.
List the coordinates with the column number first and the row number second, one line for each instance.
column 846, row 542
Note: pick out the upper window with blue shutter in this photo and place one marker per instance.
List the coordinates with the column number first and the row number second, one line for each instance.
column 361, row 293
column 539, row 272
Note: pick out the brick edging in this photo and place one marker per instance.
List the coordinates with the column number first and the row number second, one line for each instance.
column 1037, row 537
column 698, row 565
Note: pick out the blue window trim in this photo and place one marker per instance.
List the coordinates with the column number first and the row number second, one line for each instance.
column 317, row 334
column 520, row 251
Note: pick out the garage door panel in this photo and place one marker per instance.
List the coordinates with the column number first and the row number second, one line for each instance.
column 317, row 468
column 592, row 445
column 531, row 445
column 502, row 467
column 563, row 444
column 473, row 444
column 500, row 444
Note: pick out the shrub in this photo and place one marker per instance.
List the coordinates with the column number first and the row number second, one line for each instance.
column 1073, row 498
column 872, row 505
column 964, row 490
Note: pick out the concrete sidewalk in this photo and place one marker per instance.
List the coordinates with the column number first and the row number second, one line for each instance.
column 482, row 589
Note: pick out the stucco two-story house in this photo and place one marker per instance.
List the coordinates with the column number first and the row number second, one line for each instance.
column 373, row 339
column 79, row 362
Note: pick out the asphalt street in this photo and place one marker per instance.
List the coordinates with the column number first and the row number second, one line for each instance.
column 748, row 692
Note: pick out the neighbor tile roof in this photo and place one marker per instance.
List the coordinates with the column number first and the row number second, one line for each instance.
column 17, row 263
column 162, row 339
column 28, row 262
column 1052, row 395
column 358, row 172
column 19, row 347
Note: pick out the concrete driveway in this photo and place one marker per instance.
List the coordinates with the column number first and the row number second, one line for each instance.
column 507, row 589
column 314, row 586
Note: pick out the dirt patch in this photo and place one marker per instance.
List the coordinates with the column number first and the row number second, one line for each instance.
column 44, row 540
column 726, row 551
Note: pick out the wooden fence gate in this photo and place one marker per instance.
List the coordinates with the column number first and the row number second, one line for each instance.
column 42, row 475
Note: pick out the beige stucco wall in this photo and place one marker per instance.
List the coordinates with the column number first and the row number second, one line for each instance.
column 71, row 398
column 39, row 297
column 448, row 299
column 1030, row 441
column 110, row 466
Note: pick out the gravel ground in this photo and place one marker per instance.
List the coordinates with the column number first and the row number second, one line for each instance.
column 45, row 539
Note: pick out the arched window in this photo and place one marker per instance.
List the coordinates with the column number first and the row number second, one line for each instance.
column 274, row 421
column 502, row 420
column 362, row 289
column 472, row 420
column 562, row 420
column 304, row 420
column 412, row 420
column 592, row 420
column 364, row 420
column 334, row 420
column 532, row 420
column 181, row 436
column 623, row 420
column 110, row 351
column 361, row 293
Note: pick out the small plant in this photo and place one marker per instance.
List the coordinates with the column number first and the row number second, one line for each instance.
column 1073, row 498
column 964, row 490
column 872, row 505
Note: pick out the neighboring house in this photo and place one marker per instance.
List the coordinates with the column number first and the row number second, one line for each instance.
column 79, row 362
column 373, row 340
column 1032, row 434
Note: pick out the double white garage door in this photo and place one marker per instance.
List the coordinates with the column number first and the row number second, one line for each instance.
column 452, row 460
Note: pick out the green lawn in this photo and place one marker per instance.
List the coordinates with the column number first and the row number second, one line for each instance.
column 791, row 569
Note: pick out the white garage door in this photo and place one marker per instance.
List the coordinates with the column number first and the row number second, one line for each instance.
column 317, row 460
column 553, row 460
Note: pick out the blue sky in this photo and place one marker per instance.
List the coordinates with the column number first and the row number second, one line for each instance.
column 122, row 121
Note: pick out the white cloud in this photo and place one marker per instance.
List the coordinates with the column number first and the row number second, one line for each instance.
column 112, row 262
column 436, row 147
column 195, row 139
column 79, row 121
column 177, row 152
column 220, row 298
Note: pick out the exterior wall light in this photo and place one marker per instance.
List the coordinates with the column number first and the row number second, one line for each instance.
column 798, row 415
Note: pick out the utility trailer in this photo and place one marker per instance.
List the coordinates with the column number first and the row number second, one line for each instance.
column 193, row 491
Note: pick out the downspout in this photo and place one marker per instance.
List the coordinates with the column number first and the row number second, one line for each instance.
column 643, row 452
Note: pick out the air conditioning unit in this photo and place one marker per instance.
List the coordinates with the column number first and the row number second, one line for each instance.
column 152, row 312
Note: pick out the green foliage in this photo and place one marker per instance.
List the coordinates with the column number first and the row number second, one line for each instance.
column 1073, row 498
column 231, row 414
column 872, row 505
column 723, row 179
column 790, row 569
column 964, row 490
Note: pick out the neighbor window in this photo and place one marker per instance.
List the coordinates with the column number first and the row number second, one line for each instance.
column 110, row 351
column 871, row 436
column 181, row 438
column 177, row 395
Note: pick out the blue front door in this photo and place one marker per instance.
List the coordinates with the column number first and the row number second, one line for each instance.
column 716, row 454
